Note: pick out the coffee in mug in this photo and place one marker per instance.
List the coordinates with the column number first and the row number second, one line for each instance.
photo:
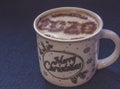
column 67, row 24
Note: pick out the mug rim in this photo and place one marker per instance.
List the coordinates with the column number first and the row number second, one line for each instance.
column 97, row 17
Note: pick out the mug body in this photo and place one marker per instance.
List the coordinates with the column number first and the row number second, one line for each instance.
column 67, row 63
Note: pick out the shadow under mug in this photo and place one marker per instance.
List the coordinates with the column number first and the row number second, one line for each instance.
column 71, row 63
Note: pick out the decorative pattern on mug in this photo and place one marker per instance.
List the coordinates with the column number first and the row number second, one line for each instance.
column 62, row 61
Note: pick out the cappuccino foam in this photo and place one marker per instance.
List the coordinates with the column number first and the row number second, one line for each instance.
column 67, row 24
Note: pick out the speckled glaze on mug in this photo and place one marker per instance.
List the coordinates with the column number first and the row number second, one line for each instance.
column 71, row 63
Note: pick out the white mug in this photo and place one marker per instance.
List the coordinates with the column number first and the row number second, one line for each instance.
column 71, row 63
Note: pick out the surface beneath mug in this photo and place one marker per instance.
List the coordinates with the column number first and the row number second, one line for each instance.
column 19, row 68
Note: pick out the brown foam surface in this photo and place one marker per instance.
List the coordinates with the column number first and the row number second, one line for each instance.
column 67, row 25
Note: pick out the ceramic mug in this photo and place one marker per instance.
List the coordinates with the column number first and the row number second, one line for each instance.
column 71, row 63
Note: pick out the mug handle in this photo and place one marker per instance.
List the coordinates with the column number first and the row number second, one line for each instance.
column 102, row 63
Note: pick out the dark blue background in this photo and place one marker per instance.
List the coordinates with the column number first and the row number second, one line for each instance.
column 19, row 68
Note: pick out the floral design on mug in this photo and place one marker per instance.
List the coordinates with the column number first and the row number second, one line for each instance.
column 82, row 75
column 62, row 65
column 45, row 48
column 45, row 73
column 86, row 50
column 89, row 61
